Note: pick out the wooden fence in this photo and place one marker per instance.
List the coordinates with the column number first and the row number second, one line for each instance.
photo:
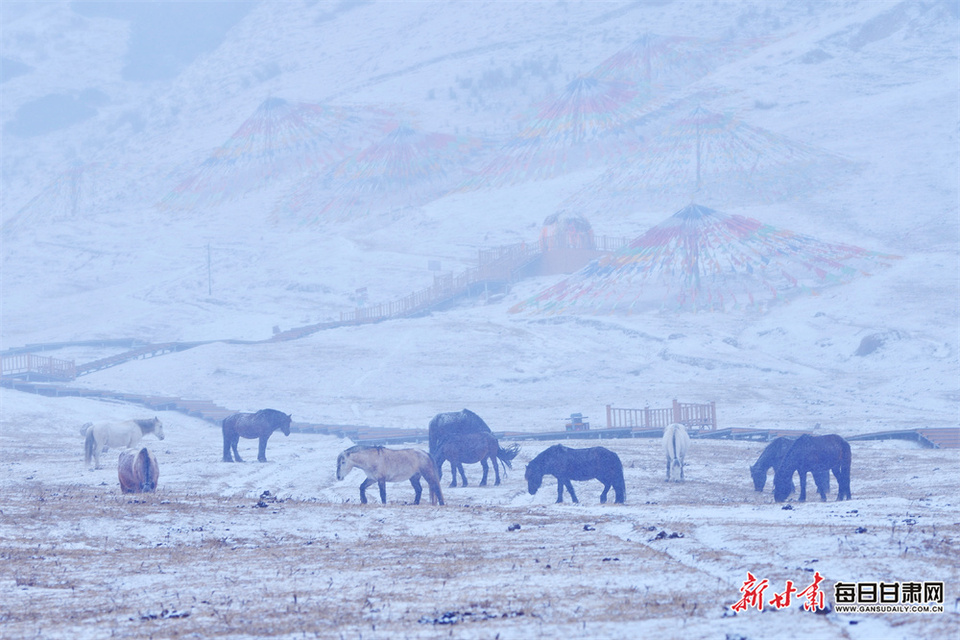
column 702, row 417
column 28, row 365
column 494, row 265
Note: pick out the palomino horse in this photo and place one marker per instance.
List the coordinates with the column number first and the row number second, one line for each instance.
column 125, row 434
column 567, row 464
column 770, row 458
column 452, row 424
column 138, row 471
column 474, row 447
column 391, row 465
column 675, row 445
column 252, row 425
column 818, row 455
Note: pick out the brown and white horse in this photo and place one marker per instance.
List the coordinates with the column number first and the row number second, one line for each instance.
column 391, row 465
column 138, row 470
column 125, row 434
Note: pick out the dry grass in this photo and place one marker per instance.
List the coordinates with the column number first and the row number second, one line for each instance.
column 81, row 560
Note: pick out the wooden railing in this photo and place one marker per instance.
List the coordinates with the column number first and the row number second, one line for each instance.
column 499, row 265
column 27, row 364
column 606, row 244
column 695, row 416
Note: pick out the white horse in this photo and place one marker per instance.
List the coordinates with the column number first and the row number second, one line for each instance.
column 125, row 434
column 675, row 444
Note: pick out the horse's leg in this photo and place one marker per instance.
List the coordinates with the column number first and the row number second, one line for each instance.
column 453, row 472
column 606, row 487
column 363, row 489
column 234, row 441
column 483, row 481
column 383, row 490
column 463, row 476
column 843, row 480
column 573, row 495
column 669, row 464
column 559, row 490
column 823, row 484
column 803, row 486
column 417, row 487
column 496, row 470
column 226, row 448
column 262, row 451
column 681, row 470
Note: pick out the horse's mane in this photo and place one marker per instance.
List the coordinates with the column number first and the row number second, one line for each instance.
column 149, row 423
column 271, row 413
column 362, row 447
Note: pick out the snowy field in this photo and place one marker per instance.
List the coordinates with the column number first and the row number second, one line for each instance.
column 245, row 178
column 206, row 556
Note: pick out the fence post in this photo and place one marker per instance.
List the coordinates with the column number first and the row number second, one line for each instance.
column 676, row 411
column 609, row 425
column 713, row 414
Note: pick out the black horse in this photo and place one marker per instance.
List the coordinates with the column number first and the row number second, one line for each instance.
column 252, row 425
column 771, row 457
column 445, row 425
column 818, row 455
column 567, row 464
column 474, row 447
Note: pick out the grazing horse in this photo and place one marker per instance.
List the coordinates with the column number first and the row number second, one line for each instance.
column 567, row 464
column 474, row 447
column 771, row 457
column 261, row 425
column 391, row 465
column 456, row 423
column 138, row 471
column 125, row 434
column 818, row 455
column 675, row 445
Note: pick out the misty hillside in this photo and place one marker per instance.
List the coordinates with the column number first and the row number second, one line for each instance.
column 217, row 171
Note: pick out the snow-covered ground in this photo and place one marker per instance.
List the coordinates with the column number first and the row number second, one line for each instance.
column 117, row 224
column 84, row 560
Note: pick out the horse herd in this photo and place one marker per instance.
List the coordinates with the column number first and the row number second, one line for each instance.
column 464, row 438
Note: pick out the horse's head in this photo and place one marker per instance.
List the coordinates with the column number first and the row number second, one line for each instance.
column 285, row 423
column 157, row 428
column 534, row 479
column 344, row 465
column 782, row 487
column 759, row 477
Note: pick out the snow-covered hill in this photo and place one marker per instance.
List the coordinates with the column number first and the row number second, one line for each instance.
column 121, row 179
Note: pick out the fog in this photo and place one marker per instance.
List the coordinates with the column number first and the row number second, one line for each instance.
column 366, row 213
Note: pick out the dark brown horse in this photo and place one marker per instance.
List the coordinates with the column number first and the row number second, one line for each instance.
column 452, row 424
column 252, row 425
column 138, row 471
column 567, row 464
column 470, row 448
column 771, row 457
column 818, row 455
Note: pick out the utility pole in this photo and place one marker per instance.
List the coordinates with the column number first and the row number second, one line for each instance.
column 209, row 275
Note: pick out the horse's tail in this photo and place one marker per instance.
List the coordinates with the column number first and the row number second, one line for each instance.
column 675, row 447
column 619, row 488
column 89, row 446
column 148, row 482
column 431, row 475
column 507, row 455
column 846, row 459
